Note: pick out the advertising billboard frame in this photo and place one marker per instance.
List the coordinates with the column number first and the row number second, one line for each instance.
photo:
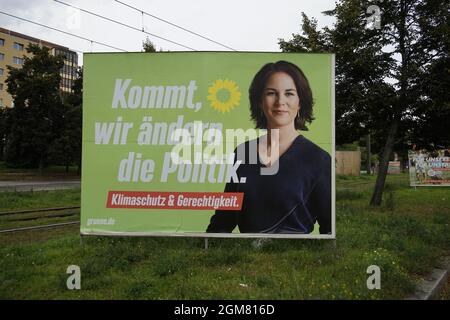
column 332, row 235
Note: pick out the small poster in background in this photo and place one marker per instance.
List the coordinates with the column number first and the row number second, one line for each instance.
column 429, row 168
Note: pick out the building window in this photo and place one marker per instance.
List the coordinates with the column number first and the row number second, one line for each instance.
column 18, row 46
column 2, row 42
column 1, row 71
column 17, row 60
column 2, row 56
column 1, row 102
column 1, row 86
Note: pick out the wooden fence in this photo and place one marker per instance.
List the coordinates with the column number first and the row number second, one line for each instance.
column 348, row 162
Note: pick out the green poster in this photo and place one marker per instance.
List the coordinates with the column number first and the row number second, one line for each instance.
column 213, row 144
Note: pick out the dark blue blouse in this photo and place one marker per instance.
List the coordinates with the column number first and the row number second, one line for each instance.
column 290, row 201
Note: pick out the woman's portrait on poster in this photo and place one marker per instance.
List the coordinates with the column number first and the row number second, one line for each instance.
column 298, row 194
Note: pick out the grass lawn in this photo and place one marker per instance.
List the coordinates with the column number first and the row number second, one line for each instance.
column 445, row 294
column 405, row 237
column 48, row 173
column 10, row 201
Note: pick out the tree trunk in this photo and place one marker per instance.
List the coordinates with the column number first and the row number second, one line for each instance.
column 369, row 155
column 2, row 147
column 41, row 165
column 383, row 167
column 382, row 172
column 79, row 167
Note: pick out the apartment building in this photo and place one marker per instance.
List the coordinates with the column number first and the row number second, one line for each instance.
column 12, row 50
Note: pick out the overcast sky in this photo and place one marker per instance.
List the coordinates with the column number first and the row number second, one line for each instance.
column 244, row 25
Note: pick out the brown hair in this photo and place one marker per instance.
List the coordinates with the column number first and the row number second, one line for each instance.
column 302, row 86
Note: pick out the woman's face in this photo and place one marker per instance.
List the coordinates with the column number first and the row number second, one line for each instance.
column 281, row 102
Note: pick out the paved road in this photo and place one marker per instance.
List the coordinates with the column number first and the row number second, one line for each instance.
column 38, row 185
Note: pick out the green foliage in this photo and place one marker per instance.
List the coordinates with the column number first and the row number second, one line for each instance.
column 40, row 199
column 2, row 131
column 348, row 195
column 148, row 46
column 312, row 40
column 400, row 95
column 36, row 118
column 66, row 149
column 40, row 128
column 433, row 114
column 390, row 201
column 348, row 147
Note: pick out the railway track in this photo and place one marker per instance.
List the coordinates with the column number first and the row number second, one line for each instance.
column 45, row 226
column 5, row 213
column 10, row 219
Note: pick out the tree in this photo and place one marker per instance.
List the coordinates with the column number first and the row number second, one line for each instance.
column 66, row 149
column 36, row 118
column 432, row 114
column 383, row 75
column 2, row 131
column 148, row 46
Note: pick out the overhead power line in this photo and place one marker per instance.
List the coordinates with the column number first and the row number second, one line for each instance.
column 123, row 24
column 172, row 24
column 68, row 33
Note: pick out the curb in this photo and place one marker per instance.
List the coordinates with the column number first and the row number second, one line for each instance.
column 430, row 286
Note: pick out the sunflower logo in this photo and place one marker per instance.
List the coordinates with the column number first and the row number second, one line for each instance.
column 224, row 95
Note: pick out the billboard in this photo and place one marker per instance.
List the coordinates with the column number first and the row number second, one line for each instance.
column 212, row 144
column 429, row 168
column 394, row 167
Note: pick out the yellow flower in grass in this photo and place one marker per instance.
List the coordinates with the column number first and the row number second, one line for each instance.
column 224, row 95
